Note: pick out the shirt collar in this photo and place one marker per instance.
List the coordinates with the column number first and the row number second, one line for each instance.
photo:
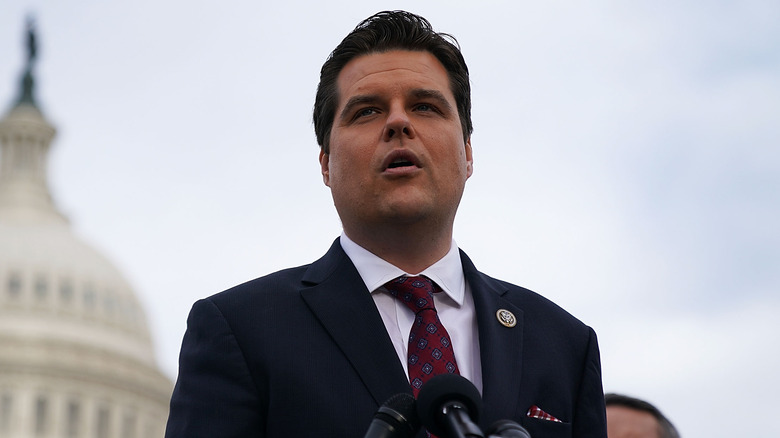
column 375, row 272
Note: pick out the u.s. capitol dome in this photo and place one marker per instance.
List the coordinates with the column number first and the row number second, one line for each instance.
column 76, row 354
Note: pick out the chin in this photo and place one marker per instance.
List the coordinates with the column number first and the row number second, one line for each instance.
column 408, row 213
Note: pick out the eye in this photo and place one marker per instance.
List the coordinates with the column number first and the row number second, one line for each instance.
column 425, row 107
column 365, row 112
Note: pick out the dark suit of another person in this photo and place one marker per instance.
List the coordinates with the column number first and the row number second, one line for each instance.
column 300, row 354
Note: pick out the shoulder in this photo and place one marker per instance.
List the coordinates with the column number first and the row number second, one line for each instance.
column 540, row 310
column 273, row 287
column 255, row 307
column 539, row 306
column 533, row 304
column 542, row 318
column 278, row 294
column 491, row 288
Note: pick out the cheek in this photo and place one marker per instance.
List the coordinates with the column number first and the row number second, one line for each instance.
column 346, row 166
column 460, row 160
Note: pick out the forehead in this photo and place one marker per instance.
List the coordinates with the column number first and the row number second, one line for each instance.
column 623, row 422
column 395, row 70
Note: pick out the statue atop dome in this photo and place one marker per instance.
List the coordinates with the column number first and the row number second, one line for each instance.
column 28, row 82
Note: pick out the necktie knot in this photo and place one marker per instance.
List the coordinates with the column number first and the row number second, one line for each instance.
column 415, row 292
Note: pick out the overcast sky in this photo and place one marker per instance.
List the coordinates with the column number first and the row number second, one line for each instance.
column 627, row 166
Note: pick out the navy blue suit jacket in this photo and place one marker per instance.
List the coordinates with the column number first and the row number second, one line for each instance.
column 304, row 353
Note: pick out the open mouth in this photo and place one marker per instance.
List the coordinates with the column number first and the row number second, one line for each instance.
column 400, row 163
column 401, row 159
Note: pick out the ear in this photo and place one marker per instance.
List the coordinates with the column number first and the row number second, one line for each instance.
column 325, row 166
column 469, row 159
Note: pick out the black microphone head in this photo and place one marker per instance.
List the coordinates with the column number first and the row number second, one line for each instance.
column 444, row 390
column 400, row 413
column 507, row 429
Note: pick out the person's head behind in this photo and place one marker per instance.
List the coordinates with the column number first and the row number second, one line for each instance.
column 383, row 32
column 632, row 417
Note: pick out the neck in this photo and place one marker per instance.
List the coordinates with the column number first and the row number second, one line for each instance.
column 409, row 249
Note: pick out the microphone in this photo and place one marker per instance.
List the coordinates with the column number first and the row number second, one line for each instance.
column 507, row 429
column 449, row 406
column 396, row 418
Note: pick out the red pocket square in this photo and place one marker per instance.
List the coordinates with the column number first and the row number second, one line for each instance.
column 535, row 412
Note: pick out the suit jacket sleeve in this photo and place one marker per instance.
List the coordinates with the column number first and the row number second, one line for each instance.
column 215, row 394
column 590, row 418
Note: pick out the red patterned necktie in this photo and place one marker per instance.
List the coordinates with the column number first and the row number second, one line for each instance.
column 430, row 351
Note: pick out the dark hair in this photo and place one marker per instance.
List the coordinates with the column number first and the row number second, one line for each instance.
column 665, row 427
column 383, row 32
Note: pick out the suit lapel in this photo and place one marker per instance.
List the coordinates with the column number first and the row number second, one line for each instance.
column 349, row 315
column 336, row 294
column 500, row 347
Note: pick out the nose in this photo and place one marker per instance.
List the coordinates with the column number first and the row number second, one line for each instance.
column 398, row 124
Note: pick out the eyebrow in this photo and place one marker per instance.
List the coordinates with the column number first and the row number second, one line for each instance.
column 436, row 95
column 417, row 93
column 355, row 101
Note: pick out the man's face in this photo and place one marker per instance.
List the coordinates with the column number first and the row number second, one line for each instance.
column 397, row 153
column 623, row 422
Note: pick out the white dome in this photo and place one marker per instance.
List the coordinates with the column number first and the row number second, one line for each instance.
column 76, row 355
column 56, row 287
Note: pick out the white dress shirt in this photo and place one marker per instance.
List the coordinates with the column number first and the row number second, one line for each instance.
column 455, row 306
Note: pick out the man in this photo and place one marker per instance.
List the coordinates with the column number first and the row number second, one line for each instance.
column 629, row 417
column 315, row 350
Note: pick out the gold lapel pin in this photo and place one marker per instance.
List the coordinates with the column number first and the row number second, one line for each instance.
column 506, row 318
